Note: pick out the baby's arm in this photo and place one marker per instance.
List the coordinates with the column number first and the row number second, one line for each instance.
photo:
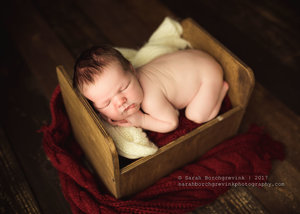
column 159, row 116
column 163, row 119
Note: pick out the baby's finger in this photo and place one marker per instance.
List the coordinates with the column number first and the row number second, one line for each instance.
column 119, row 122
column 125, row 124
column 112, row 122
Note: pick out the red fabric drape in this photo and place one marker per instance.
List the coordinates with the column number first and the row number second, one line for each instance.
column 239, row 159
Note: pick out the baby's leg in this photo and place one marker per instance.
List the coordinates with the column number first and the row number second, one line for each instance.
column 207, row 102
column 219, row 102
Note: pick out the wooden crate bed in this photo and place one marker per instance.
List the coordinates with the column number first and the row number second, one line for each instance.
column 139, row 174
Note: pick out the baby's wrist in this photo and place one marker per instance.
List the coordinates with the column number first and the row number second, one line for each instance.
column 142, row 120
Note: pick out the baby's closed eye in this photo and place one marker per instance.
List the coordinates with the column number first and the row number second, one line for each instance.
column 106, row 104
column 125, row 87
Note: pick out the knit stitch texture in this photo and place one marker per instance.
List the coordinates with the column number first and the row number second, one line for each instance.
column 242, row 157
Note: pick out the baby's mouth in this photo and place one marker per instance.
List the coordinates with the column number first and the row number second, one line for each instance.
column 133, row 105
column 124, row 109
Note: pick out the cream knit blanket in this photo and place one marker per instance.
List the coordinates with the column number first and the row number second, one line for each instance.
column 132, row 142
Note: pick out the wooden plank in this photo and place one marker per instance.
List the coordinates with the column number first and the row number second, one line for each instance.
column 275, row 26
column 73, row 28
column 36, row 42
column 151, row 13
column 122, row 28
column 88, row 131
column 283, row 125
column 285, row 198
column 28, row 97
column 235, row 200
column 15, row 193
column 26, row 110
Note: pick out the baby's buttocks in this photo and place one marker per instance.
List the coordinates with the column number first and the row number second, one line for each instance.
column 180, row 74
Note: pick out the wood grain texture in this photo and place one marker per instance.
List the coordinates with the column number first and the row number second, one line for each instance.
column 71, row 26
column 235, row 200
column 130, row 31
column 89, row 133
column 283, row 125
column 150, row 13
column 15, row 193
column 39, row 46
column 25, row 112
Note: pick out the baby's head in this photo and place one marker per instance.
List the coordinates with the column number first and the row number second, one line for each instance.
column 109, row 81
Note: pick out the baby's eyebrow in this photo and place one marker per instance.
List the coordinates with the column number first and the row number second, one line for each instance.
column 126, row 85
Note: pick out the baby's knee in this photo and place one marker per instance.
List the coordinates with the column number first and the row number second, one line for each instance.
column 195, row 116
column 199, row 117
column 225, row 87
column 173, row 125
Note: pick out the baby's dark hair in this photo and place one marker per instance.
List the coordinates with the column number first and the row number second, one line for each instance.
column 92, row 61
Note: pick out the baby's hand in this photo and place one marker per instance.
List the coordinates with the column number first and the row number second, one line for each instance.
column 133, row 120
column 136, row 119
column 119, row 122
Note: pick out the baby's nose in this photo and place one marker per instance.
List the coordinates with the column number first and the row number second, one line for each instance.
column 121, row 101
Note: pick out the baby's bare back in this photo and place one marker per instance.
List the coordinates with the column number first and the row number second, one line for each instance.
column 179, row 75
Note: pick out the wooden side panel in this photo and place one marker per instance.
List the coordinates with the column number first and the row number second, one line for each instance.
column 237, row 74
column 97, row 145
column 146, row 171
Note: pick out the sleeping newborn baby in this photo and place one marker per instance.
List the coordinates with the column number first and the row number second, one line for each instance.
column 150, row 96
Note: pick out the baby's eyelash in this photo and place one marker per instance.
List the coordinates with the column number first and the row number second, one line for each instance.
column 106, row 104
column 126, row 87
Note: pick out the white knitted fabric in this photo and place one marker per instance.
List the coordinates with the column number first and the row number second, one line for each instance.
column 132, row 142
column 165, row 39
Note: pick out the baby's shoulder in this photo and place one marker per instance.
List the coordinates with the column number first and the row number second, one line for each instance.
column 151, row 88
column 179, row 58
column 187, row 53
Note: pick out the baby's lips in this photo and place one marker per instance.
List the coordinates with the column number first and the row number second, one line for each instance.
column 133, row 105
column 123, row 109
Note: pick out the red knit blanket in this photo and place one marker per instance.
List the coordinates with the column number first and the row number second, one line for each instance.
column 234, row 162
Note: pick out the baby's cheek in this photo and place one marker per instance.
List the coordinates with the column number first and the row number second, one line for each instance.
column 136, row 91
column 115, row 115
column 138, row 95
column 106, row 114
